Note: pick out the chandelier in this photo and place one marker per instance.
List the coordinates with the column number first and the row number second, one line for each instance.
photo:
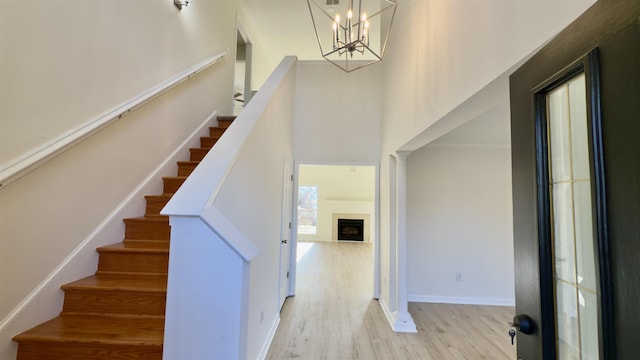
column 353, row 34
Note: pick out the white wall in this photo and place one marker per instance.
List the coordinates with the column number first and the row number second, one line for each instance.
column 460, row 221
column 63, row 62
column 341, row 189
column 337, row 115
column 463, row 45
column 441, row 53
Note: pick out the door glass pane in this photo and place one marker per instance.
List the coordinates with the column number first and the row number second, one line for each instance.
column 579, row 131
column 564, row 248
column 567, row 321
column 589, row 315
column 572, row 221
column 586, row 266
column 559, row 134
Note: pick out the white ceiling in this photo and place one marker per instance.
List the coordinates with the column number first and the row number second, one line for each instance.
column 289, row 22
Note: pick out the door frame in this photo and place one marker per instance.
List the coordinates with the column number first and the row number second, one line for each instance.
column 286, row 232
column 248, row 60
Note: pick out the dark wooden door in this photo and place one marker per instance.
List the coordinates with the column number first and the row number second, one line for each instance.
column 602, row 46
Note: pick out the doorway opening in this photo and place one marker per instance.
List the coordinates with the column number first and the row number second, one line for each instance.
column 242, row 79
column 333, row 197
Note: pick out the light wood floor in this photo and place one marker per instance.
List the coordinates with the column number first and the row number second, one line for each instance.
column 333, row 316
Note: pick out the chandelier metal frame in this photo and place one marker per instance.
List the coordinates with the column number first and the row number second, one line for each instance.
column 351, row 35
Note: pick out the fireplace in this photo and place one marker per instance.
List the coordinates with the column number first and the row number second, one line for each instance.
column 351, row 229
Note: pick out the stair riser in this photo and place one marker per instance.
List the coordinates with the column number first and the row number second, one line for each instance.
column 186, row 169
column 75, row 351
column 198, row 154
column 171, row 185
column 225, row 122
column 114, row 302
column 155, row 205
column 147, row 230
column 134, row 262
column 208, row 142
column 216, row 131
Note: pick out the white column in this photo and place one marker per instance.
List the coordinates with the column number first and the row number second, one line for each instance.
column 403, row 320
column 393, row 259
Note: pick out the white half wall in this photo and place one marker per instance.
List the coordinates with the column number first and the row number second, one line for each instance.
column 252, row 192
column 210, row 277
column 460, row 226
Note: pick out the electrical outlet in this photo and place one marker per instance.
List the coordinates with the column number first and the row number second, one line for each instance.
column 458, row 276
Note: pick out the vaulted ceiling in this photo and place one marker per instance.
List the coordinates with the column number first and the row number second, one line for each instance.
column 286, row 26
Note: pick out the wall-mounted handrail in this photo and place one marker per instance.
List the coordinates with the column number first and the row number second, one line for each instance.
column 51, row 149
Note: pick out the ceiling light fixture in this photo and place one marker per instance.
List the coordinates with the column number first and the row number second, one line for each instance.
column 363, row 31
column 181, row 4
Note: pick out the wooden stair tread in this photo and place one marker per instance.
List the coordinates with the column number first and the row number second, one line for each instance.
column 104, row 282
column 158, row 197
column 141, row 243
column 97, row 329
column 215, row 137
column 148, row 218
column 137, row 246
column 188, row 162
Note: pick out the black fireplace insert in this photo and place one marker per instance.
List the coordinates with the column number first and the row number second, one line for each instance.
column 351, row 229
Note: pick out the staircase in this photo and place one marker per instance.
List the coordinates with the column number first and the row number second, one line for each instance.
column 118, row 313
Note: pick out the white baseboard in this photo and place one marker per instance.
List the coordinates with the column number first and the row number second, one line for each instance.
column 462, row 300
column 51, row 284
column 269, row 340
column 386, row 311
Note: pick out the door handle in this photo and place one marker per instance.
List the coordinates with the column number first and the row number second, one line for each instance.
column 524, row 324
column 284, row 241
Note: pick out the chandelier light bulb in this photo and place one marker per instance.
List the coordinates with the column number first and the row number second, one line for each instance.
column 349, row 14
